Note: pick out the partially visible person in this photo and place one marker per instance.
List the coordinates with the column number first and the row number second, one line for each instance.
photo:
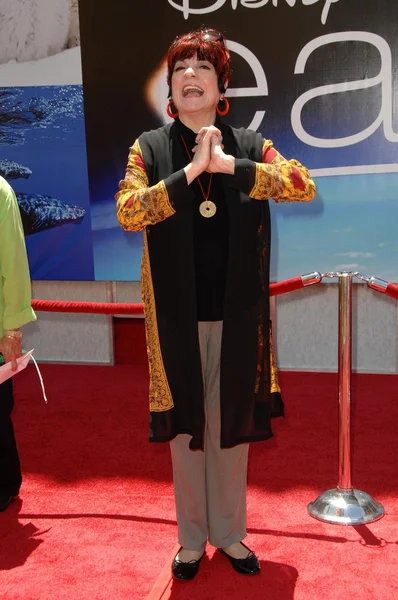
column 15, row 311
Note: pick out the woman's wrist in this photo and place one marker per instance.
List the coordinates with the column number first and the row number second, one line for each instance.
column 228, row 164
column 192, row 172
column 13, row 334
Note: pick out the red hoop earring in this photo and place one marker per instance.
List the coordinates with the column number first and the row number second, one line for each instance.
column 169, row 111
column 223, row 111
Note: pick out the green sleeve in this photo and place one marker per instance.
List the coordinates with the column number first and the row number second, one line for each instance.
column 15, row 285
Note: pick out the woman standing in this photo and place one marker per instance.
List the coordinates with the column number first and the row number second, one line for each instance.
column 199, row 190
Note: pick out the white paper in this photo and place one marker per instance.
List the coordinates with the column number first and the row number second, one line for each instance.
column 22, row 362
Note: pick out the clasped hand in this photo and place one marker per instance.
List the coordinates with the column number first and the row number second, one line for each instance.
column 209, row 152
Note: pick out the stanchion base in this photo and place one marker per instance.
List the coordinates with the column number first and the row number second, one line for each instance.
column 346, row 507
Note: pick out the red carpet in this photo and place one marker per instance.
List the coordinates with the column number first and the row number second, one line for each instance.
column 96, row 520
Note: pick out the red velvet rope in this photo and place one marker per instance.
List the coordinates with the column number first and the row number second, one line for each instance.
column 115, row 308
column 389, row 289
column 392, row 290
column 104, row 308
column 283, row 287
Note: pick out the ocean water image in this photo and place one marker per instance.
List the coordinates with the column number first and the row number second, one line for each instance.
column 117, row 253
column 350, row 226
column 43, row 156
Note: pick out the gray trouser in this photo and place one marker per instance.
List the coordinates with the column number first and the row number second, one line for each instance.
column 210, row 486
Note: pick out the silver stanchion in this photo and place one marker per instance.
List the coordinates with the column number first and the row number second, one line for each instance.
column 344, row 505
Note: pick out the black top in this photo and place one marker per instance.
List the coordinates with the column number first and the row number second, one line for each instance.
column 210, row 236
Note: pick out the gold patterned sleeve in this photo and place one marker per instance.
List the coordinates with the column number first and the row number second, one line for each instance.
column 281, row 179
column 273, row 177
column 138, row 204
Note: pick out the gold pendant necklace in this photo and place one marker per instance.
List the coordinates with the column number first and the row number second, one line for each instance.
column 207, row 208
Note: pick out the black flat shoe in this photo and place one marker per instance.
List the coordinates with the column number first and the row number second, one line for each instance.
column 6, row 499
column 184, row 571
column 245, row 566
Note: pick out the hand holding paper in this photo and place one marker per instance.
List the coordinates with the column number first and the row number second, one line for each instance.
column 6, row 370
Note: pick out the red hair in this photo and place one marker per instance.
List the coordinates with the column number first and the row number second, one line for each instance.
column 207, row 44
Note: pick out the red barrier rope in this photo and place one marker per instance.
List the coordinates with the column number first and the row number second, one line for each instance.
column 104, row 308
column 297, row 283
column 283, row 287
column 389, row 289
column 392, row 290
column 115, row 308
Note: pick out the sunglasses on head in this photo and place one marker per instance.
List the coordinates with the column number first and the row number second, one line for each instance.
column 207, row 34
column 212, row 35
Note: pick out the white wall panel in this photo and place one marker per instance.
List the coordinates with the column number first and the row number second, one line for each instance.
column 68, row 337
column 307, row 330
